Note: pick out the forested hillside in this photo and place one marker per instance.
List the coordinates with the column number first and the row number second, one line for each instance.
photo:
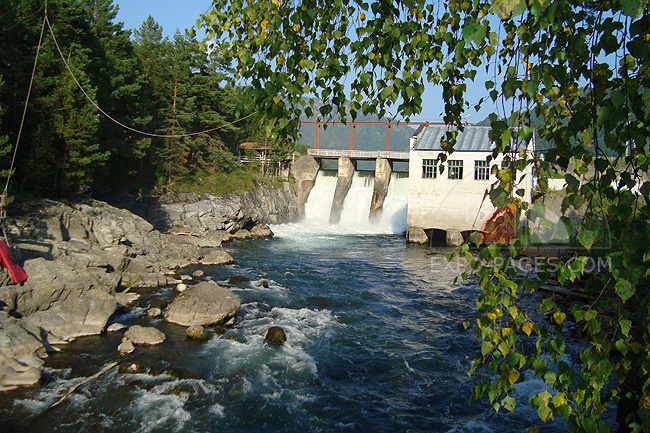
column 144, row 80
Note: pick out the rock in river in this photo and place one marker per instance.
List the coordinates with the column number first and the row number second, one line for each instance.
column 144, row 335
column 217, row 257
column 116, row 327
column 125, row 347
column 261, row 231
column 204, row 304
column 197, row 333
column 21, row 350
column 154, row 312
column 275, row 335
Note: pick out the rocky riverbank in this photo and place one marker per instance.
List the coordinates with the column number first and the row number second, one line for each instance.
column 223, row 217
column 85, row 260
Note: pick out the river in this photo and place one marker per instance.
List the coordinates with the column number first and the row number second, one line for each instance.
column 375, row 343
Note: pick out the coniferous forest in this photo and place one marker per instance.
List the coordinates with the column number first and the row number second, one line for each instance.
column 149, row 82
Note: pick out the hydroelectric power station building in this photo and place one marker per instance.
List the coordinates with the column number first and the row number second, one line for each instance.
column 441, row 203
column 444, row 205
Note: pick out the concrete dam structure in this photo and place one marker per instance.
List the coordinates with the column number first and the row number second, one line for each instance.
column 347, row 196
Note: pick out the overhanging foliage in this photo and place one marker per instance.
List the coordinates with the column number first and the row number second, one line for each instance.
column 580, row 68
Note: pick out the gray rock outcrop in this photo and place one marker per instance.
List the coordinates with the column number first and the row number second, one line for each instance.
column 21, row 353
column 204, row 304
column 80, row 313
column 77, row 256
column 208, row 216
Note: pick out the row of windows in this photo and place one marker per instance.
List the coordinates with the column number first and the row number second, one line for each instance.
column 455, row 169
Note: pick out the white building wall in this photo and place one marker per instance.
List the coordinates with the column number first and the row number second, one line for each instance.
column 450, row 204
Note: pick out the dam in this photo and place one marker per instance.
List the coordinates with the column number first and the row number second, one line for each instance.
column 343, row 195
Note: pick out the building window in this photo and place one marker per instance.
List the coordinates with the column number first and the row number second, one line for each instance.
column 429, row 169
column 455, row 169
column 481, row 170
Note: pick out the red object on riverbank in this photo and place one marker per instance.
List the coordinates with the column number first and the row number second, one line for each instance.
column 500, row 226
column 7, row 261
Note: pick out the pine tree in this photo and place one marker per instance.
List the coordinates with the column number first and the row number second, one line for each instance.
column 5, row 146
column 152, row 51
column 20, row 24
column 66, row 150
column 114, row 70
column 199, row 103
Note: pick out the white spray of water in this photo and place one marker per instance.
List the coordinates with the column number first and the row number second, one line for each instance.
column 356, row 208
column 394, row 212
column 319, row 203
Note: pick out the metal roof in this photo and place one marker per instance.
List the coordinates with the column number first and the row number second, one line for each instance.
column 472, row 139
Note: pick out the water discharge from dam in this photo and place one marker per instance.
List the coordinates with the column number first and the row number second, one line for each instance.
column 356, row 207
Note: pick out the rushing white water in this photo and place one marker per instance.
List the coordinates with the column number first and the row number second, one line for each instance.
column 356, row 207
column 394, row 211
column 319, row 203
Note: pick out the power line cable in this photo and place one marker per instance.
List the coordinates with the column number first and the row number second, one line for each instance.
column 137, row 131
column 22, row 19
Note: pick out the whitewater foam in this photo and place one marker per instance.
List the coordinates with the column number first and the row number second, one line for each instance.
column 355, row 212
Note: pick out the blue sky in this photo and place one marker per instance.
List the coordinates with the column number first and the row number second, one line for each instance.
column 175, row 14
column 170, row 14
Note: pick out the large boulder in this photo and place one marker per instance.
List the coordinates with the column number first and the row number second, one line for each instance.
column 241, row 234
column 261, row 231
column 144, row 335
column 204, row 304
column 21, row 353
column 217, row 257
column 79, row 314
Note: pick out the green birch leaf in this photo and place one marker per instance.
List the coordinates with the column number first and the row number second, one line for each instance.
column 633, row 8
column 587, row 238
column 505, row 8
column 487, row 348
column 509, row 403
column 544, row 413
column 624, row 289
column 625, row 325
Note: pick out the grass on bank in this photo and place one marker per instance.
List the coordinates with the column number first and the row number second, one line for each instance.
column 210, row 181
